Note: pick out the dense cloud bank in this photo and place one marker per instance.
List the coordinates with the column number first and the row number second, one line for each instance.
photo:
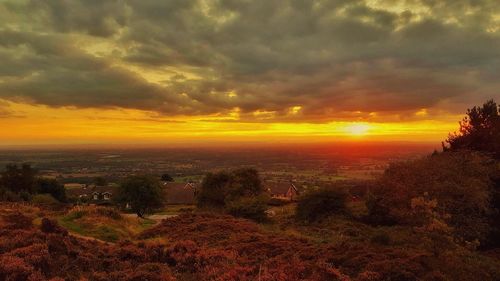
column 312, row 61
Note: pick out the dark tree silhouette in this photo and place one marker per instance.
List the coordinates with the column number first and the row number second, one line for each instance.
column 239, row 192
column 166, row 177
column 100, row 181
column 18, row 179
column 213, row 190
column 479, row 131
column 142, row 193
column 52, row 187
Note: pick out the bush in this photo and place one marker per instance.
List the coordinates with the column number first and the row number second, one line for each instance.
column 323, row 202
column 458, row 181
column 381, row 238
column 51, row 226
column 52, row 187
column 239, row 192
column 249, row 207
column 44, row 199
column 9, row 196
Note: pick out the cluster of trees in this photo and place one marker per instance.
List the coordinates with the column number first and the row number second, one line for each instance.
column 239, row 192
column 459, row 189
column 21, row 183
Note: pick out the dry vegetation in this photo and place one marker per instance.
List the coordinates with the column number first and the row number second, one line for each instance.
column 221, row 247
column 102, row 223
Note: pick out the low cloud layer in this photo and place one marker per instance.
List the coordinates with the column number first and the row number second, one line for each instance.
column 288, row 60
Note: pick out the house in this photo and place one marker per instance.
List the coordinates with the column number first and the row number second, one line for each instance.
column 282, row 190
column 180, row 193
column 103, row 193
column 92, row 194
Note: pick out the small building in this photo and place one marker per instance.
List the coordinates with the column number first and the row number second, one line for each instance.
column 282, row 190
column 180, row 193
column 103, row 193
column 92, row 194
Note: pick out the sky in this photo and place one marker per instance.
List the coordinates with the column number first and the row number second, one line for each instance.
column 200, row 71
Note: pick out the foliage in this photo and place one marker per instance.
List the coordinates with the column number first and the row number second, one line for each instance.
column 9, row 196
column 142, row 193
column 44, row 199
column 316, row 204
column 238, row 192
column 217, row 247
column 381, row 238
column 103, row 223
column 213, row 190
column 100, row 181
column 243, row 183
column 459, row 181
column 479, row 131
column 52, row 187
column 249, row 207
column 49, row 253
column 166, row 177
column 18, row 179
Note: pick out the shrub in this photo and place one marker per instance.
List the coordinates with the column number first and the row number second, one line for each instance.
column 51, row 226
column 238, row 192
column 9, row 196
column 381, row 238
column 325, row 201
column 249, row 207
column 52, row 187
column 44, row 199
column 459, row 181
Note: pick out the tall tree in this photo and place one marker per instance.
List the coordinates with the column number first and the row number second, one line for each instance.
column 19, row 179
column 142, row 193
column 479, row 131
column 213, row 190
column 52, row 187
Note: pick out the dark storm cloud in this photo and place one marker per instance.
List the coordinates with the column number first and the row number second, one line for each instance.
column 332, row 58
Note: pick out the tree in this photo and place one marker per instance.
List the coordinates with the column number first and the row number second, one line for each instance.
column 322, row 202
column 52, row 187
column 459, row 181
column 142, row 193
column 166, row 177
column 100, row 181
column 213, row 190
column 244, row 182
column 18, row 179
column 479, row 131
column 238, row 192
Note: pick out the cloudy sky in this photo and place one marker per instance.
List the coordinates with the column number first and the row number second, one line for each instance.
column 77, row 71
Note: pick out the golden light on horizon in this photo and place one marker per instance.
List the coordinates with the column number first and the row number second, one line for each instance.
column 36, row 124
column 357, row 129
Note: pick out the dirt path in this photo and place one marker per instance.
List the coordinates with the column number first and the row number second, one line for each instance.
column 156, row 218
column 88, row 238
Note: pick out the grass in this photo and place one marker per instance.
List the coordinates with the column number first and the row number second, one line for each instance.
column 104, row 224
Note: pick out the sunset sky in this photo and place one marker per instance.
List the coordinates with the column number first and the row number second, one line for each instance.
column 200, row 71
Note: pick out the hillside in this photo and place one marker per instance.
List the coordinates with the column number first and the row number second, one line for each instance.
column 219, row 247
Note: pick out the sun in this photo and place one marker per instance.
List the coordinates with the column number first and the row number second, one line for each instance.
column 357, row 129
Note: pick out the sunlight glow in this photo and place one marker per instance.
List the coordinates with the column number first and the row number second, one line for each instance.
column 357, row 129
